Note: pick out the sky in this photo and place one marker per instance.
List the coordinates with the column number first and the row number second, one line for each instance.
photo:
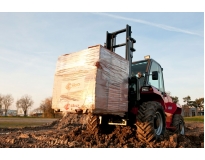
column 33, row 34
column 31, row 42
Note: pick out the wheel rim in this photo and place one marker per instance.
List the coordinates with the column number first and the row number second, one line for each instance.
column 181, row 128
column 158, row 123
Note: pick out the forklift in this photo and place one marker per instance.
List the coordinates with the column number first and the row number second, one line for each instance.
column 150, row 108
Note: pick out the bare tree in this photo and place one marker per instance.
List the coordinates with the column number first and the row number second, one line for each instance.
column 46, row 107
column 25, row 103
column 7, row 101
column 1, row 99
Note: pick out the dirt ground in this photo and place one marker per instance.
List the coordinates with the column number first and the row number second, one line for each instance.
column 70, row 132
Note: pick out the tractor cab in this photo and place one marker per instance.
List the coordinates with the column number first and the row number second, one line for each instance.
column 146, row 75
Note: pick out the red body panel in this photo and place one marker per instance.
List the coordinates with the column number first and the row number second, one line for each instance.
column 170, row 108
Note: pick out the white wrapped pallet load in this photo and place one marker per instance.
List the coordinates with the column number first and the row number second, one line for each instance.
column 92, row 80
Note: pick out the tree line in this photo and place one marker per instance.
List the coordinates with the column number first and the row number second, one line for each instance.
column 198, row 103
column 25, row 103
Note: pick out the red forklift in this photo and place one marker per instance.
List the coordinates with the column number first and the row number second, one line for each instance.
column 150, row 108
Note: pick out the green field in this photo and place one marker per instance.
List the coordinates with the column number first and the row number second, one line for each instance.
column 19, row 122
column 194, row 119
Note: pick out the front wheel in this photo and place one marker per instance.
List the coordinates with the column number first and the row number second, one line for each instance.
column 150, row 121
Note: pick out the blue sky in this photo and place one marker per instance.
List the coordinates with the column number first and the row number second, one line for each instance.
column 30, row 44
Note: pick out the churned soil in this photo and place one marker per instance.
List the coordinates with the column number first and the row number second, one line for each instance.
column 70, row 132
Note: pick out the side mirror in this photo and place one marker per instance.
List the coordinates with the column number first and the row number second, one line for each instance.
column 155, row 75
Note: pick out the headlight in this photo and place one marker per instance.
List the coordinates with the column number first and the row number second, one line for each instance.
column 145, row 89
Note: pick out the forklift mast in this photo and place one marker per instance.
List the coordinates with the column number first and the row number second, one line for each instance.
column 129, row 41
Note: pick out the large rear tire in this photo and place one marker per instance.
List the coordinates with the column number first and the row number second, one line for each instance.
column 178, row 123
column 150, row 121
column 93, row 123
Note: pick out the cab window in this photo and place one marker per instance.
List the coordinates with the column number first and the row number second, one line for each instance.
column 159, row 84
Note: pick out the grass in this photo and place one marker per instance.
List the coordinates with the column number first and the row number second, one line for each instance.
column 194, row 119
column 19, row 122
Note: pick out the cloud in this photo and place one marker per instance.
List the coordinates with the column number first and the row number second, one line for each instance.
column 162, row 26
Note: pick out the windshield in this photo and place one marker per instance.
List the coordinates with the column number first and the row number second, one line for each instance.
column 139, row 67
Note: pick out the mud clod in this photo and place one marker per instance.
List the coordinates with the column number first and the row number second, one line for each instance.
column 70, row 132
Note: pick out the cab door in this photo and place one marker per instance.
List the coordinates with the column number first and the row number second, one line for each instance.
column 158, row 84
